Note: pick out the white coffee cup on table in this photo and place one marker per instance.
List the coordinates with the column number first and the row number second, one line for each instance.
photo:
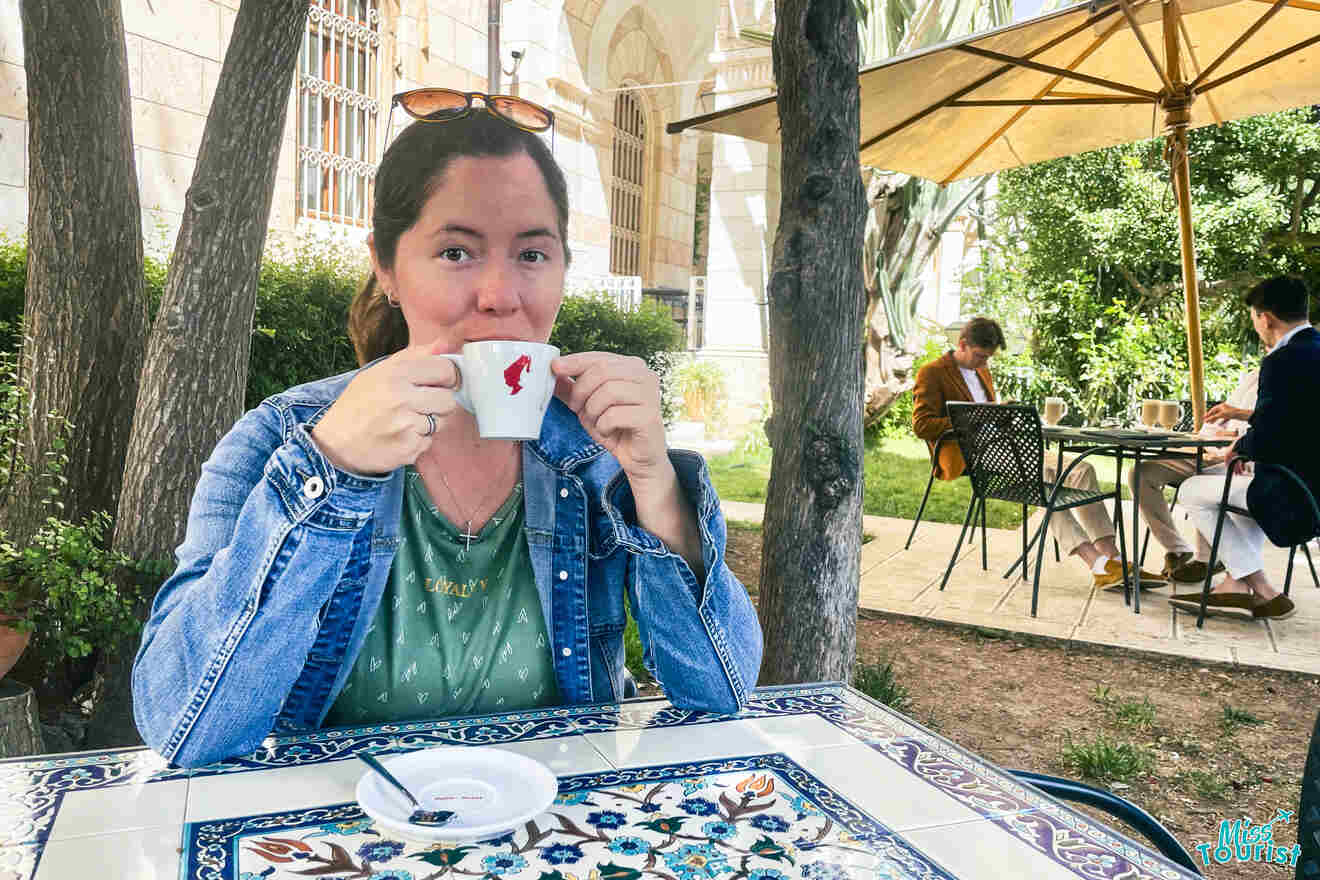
column 507, row 385
column 1055, row 409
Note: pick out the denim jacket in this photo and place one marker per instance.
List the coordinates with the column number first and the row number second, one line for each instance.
column 286, row 557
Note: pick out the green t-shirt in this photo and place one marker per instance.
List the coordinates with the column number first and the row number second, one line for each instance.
column 459, row 629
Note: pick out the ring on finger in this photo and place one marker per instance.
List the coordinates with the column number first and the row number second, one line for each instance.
column 430, row 424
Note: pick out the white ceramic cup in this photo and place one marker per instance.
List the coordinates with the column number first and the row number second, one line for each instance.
column 506, row 384
column 1055, row 409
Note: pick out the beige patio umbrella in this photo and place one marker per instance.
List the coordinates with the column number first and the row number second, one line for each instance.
column 1082, row 78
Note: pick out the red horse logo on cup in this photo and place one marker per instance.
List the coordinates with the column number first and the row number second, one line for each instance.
column 513, row 373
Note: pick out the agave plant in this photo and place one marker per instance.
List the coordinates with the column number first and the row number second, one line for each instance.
column 908, row 215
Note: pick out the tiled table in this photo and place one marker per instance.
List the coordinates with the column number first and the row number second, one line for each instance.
column 813, row 782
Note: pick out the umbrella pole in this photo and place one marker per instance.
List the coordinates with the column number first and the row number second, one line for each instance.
column 1177, row 102
column 1182, row 188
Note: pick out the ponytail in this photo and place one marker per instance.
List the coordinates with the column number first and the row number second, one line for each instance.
column 375, row 327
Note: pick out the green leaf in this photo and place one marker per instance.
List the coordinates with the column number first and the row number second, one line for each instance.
column 768, row 849
column 611, row 871
column 670, row 825
column 442, row 858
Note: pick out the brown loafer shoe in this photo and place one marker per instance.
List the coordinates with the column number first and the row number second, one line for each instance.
column 1230, row 604
column 1194, row 572
column 1278, row 608
column 1175, row 561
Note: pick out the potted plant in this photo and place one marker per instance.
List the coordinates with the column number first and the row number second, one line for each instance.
column 701, row 390
column 15, row 622
column 68, row 593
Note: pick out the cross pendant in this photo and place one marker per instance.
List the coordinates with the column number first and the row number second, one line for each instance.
column 467, row 536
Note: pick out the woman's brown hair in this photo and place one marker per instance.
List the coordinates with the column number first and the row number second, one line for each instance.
column 413, row 168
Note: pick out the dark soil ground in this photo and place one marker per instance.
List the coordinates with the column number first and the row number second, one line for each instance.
column 1190, row 743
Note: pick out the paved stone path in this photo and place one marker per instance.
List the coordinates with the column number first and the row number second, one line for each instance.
column 906, row 582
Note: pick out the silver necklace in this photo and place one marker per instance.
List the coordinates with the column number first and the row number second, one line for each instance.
column 466, row 534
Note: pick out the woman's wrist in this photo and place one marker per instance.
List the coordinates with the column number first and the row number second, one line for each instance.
column 664, row 510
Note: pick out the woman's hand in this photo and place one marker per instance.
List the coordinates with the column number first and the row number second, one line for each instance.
column 1222, row 412
column 380, row 421
column 617, row 400
column 1236, row 464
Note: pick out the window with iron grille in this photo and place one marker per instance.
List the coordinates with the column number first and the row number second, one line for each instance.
column 627, row 193
column 338, row 85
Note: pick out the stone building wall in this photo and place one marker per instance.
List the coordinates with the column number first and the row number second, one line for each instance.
column 575, row 54
column 677, row 58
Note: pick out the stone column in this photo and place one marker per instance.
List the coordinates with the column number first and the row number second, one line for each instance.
column 744, row 214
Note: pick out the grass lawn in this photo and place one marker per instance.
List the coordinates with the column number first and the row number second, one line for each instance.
column 896, row 472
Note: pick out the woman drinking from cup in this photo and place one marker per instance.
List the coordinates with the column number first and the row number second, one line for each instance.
column 357, row 551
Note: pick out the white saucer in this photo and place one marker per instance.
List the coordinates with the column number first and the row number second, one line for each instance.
column 491, row 792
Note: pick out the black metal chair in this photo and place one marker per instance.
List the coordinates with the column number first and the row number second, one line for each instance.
column 1121, row 808
column 1188, row 420
column 1225, row 508
column 1308, row 812
column 1005, row 453
column 947, row 436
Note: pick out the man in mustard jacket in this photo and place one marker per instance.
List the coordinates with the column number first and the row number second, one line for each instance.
column 961, row 374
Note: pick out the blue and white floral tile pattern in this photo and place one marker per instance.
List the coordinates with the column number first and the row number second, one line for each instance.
column 30, row 792
column 18, row 860
column 329, row 745
column 751, row 818
column 1061, row 834
column 866, row 720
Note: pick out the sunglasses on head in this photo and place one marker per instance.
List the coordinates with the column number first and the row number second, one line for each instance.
column 445, row 105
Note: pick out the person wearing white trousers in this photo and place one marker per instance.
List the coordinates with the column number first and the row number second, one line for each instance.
column 1279, row 313
column 1241, row 542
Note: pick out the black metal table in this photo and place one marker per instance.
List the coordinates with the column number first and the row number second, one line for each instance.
column 1133, row 442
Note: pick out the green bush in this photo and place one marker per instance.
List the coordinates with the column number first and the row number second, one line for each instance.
column 72, row 593
column 299, row 332
column 15, row 410
column 1101, row 357
column 1106, row 759
column 62, row 585
column 1082, row 260
column 13, row 277
column 596, row 323
column 879, row 682
column 897, row 420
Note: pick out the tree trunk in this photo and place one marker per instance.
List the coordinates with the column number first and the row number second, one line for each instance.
column 86, row 316
column 811, row 546
column 196, row 363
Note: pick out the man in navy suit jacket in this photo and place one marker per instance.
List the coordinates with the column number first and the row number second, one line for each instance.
column 1283, row 431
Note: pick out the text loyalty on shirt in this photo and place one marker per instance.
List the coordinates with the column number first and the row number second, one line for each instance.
column 445, row 587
